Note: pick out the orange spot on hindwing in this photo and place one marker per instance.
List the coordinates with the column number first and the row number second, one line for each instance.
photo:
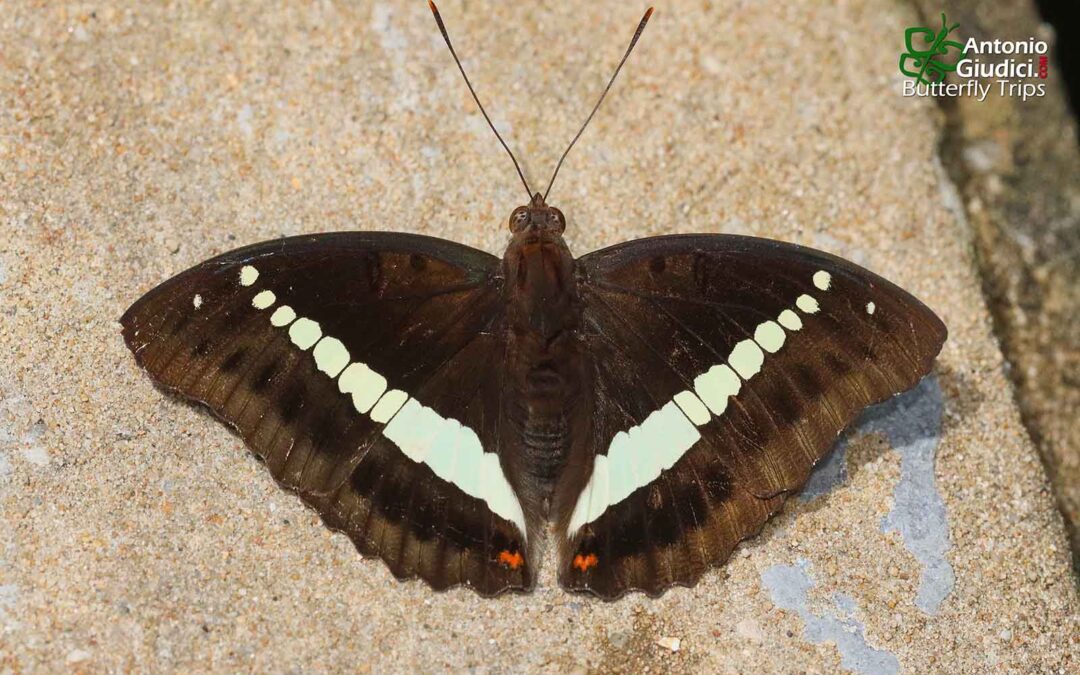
column 511, row 560
column 584, row 562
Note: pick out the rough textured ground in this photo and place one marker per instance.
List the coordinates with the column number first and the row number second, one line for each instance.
column 1017, row 166
column 137, row 533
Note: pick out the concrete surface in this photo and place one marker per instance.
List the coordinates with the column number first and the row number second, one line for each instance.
column 1017, row 166
column 137, row 533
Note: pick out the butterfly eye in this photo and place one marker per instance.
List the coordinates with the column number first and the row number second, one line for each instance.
column 518, row 220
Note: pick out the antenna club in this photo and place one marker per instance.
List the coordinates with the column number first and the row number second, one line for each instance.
column 648, row 12
column 435, row 10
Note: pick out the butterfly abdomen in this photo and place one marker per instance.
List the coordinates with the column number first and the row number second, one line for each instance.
column 543, row 427
column 545, row 442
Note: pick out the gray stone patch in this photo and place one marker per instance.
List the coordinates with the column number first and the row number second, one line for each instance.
column 32, row 450
column 789, row 586
column 397, row 45
column 77, row 656
column 911, row 423
column 830, row 473
column 9, row 596
column 19, row 437
column 244, row 117
column 913, row 428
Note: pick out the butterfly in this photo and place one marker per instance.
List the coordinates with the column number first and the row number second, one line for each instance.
column 651, row 404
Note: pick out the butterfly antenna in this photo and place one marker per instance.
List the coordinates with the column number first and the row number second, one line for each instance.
column 446, row 37
column 633, row 41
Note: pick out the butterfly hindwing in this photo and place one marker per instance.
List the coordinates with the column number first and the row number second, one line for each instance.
column 724, row 367
column 357, row 366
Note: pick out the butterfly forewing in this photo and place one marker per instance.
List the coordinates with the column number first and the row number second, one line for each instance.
column 359, row 367
column 724, row 369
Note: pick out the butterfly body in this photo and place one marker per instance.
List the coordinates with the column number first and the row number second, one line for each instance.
column 543, row 325
column 657, row 400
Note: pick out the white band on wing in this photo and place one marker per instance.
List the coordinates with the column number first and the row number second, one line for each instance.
column 636, row 457
column 451, row 450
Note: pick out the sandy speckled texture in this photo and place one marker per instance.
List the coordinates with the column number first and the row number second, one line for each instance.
column 1018, row 170
column 136, row 532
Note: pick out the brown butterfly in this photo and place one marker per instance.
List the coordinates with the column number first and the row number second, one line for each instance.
column 657, row 400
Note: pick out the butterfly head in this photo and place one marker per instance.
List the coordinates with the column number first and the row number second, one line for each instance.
column 537, row 217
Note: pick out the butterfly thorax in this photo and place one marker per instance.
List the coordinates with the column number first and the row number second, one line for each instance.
column 542, row 300
column 543, row 317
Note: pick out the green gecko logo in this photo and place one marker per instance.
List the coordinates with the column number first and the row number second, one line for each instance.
column 925, row 64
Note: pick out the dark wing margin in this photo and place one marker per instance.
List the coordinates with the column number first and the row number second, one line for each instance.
column 725, row 367
column 312, row 347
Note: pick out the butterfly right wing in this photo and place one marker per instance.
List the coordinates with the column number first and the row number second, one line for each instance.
column 723, row 369
column 364, row 369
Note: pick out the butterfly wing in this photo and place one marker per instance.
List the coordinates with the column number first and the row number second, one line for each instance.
column 724, row 368
column 358, row 366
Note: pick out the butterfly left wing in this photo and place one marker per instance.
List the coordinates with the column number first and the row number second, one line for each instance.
column 364, row 369
column 723, row 368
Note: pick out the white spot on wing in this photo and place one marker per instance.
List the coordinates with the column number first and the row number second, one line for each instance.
column 365, row 385
column 331, row 357
column 248, row 275
column 716, row 386
column 692, row 407
column 870, row 308
column 668, row 434
column 622, row 472
column 469, row 474
column 263, row 299
column 822, row 280
column 454, row 454
column 807, row 304
column 414, row 430
column 599, row 487
column 197, row 301
column 649, row 448
column 770, row 336
column 790, row 320
column 282, row 316
column 746, row 359
column 498, row 494
column 304, row 333
column 388, row 406
column 450, row 446
column 580, row 516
